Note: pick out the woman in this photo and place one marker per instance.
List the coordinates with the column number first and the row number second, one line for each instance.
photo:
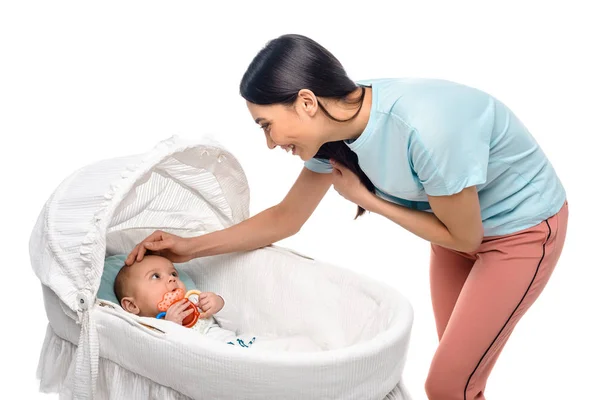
column 445, row 161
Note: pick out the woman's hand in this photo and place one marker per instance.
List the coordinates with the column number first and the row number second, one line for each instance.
column 173, row 247
column 347, row 184
column 210, row 303
column 179, row 311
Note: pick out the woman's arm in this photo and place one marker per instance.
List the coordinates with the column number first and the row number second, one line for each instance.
column 271, row 225
column 455, row 222
column 276, row 223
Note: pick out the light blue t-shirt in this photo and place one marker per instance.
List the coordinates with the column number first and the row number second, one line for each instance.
column 434, row 137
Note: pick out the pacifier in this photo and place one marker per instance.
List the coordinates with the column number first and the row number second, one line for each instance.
column 172, row 297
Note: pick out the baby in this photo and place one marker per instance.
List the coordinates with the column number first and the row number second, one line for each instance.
column 142, row 286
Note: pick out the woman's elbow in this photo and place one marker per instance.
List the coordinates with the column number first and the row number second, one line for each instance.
column 287, row 223
column 291, row 230
column 472, row 243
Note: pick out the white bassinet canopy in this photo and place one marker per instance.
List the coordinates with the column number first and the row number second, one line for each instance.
column 191, row 188
column 195, row 188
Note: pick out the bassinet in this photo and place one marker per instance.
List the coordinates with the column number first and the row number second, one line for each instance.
column 93, row 349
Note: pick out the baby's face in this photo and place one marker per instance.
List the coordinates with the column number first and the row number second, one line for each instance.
column 151, row 279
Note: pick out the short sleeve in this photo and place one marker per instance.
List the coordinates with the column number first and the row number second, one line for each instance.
column 451, row 148
column 319, row 165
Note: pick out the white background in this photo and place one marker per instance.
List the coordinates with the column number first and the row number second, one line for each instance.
column 80, row 82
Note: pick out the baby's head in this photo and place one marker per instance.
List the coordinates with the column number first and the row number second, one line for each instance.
column 141, row 286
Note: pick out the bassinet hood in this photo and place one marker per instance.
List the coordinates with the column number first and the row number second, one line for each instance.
column 188, row 188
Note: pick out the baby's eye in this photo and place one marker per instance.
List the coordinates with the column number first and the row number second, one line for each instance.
column 174, row 274
column 155, row 276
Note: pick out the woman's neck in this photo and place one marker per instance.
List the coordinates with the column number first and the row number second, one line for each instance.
column 352, row 129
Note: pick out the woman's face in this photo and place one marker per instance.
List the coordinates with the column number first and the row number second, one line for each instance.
column 294, row 128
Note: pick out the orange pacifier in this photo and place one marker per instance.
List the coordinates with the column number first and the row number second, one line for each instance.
column 172, row 297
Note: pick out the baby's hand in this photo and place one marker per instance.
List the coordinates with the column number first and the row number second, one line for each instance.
column 177, row 312
column 210, row 303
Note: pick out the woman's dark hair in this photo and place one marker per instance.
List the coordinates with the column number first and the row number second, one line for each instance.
column 291, row 63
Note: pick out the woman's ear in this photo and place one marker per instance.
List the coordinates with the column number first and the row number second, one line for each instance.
column 129, row 305
column 307, row 102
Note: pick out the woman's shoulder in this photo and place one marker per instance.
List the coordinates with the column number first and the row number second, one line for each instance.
column 410, row 98
column 410, row 83
column 402, row 87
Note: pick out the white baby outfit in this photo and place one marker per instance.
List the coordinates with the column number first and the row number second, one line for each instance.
column 211, row 329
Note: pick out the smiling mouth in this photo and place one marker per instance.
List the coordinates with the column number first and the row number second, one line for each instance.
column 289, row 148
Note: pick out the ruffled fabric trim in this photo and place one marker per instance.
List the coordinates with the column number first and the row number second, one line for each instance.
column 56, row 374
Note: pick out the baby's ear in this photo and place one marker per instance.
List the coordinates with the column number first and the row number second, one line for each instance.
column 129, row 305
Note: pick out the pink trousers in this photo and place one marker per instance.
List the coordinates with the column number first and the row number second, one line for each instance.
column 479, row 297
